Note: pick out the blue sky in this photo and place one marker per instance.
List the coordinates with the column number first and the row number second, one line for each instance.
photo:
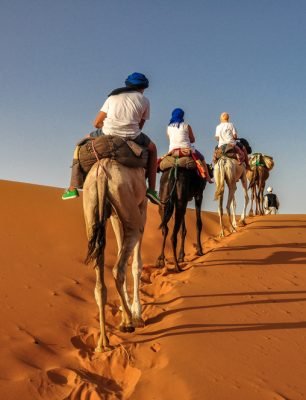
column 60, row 59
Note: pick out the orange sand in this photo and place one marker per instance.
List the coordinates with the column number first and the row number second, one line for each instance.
column 231, row 326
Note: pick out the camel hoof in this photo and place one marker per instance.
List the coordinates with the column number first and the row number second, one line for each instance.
column 199, row 253
column 251, row 214
column 138, row 322
column 242, row 223
column 127, row 328
column 103, row 349
column 178, row 269
column 160, row 263
column 181, row 259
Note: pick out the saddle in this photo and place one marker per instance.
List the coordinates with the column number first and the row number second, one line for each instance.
column 169, row 161
column 126, row 152
column 226, row 150
column 261, row 160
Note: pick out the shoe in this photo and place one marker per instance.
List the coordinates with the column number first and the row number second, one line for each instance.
column 153, row 196
column 70, row 194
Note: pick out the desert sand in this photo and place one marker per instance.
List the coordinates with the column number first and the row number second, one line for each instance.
column 231, row 326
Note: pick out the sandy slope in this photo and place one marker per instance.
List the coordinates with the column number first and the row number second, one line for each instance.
column 232, row 326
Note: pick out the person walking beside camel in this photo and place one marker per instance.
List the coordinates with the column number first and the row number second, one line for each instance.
column 271, row 202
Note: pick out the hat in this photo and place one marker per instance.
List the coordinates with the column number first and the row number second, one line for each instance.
column 270, row 189
column 177, row 116
column 137, row 81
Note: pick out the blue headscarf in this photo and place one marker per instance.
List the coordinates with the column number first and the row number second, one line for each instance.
column 177, row 117
column 137, row 81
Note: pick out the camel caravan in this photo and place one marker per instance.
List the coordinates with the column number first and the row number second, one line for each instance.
column 112, row 165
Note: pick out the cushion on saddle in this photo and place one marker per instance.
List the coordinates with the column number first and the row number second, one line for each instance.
column 131, row 153
column 226, row 150
column 170, row 161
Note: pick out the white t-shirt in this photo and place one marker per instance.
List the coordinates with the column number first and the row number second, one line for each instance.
column 225, row 132
column 178, row 136
column 124, row 113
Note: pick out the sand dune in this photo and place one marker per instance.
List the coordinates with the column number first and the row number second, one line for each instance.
column 231, row 326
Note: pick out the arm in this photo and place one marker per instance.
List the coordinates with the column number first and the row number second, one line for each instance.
column 277, row 203
column 235, row 133
column 191, row 135
column 98, row 122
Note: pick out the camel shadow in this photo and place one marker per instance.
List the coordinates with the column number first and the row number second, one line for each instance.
column 276, row 258
column 162, row 315
column 278, row 227
column 219, row 328
column 269, row 293
column 261, row 246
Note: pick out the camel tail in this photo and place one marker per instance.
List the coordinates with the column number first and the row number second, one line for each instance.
column 169, row 205
column 97, row 241
column 219, row 175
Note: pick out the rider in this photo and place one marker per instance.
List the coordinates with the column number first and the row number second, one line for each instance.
column 181, row 137
column 226, row 133
column 123, row 114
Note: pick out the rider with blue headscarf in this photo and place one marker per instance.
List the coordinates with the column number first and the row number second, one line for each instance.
column 181, row 137
column 124, row 114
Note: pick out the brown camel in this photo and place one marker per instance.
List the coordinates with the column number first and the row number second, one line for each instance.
column 257, row 178
column 113, row 190
column 230, row 171
column 177, row 187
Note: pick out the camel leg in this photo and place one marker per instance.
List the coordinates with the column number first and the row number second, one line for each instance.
column 117, row 228
column 229, row 206
column 261, row 199
column 136, row 271
column 251, row 212
column 246, row 199
column 90, row 200
column 160, row 263
column 198, row 206
column 130, row 239
column 220, row 212
column 233, row 213
column 180, row 211
column 257, row 211
column 101, row 296
column 183, row 236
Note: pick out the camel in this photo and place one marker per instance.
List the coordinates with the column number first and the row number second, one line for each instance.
column 257, row 178
column 119, row 192
column 177, row 187
column 230, row 171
